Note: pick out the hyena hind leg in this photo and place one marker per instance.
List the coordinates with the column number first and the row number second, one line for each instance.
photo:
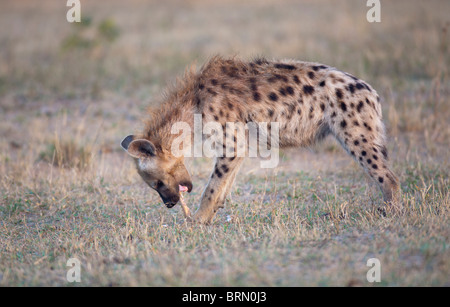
column 373, row 159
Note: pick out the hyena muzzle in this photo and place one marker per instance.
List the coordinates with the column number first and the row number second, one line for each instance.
column 308, row 101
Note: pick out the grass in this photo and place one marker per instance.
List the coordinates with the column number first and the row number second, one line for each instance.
column 68, row 94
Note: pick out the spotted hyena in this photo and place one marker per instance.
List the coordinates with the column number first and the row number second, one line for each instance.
column 308, row 101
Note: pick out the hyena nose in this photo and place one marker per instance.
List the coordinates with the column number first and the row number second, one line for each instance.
column 172, row 201
column 170, row 205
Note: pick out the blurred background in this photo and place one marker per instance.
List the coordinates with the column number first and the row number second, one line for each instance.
column 69, row 93
column 118, row 59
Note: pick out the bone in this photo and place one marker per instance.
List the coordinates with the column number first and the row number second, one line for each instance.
column 186, row 211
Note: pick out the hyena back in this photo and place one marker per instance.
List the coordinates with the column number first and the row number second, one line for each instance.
column 308, row 100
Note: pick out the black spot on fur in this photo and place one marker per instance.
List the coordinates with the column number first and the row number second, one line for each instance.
column 356, row 142
column 367, row 87
column 316, row 68
column 291, row 108
column 359, row 107
column 359, row 86
column 201, row 86
column 284, row 66
column 322, row 83
column 272, row 96
column 339, row 93
column 384, row 152
column 343, row 123
column 256, row 96
column 343, row 106
column 214, row 82
column 308, row 89
column 374, row 166
column 233, row 72
column 380, row 179
column 296, row 79
column 351, row 76
column 277, row 77
column 333, row 114
column 311, row 112
column 212, row 92
column 225, row 168
column 363, row 152
column 311, row 75
column 270, row 112
column 290, row 90
column 218, row 173
column 322, row 107
column 282, row 91
column 351, row 88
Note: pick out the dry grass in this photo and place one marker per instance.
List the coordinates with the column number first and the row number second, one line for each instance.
column 68, row 94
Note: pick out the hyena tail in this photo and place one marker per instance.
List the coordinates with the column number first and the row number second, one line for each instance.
column 357, row 125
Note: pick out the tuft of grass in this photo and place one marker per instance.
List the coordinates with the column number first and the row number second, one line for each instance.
column 67, row 153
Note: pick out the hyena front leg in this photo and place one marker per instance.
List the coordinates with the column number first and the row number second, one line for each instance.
column 218, row 187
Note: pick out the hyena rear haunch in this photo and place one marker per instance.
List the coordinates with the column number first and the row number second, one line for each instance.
column 308, row 101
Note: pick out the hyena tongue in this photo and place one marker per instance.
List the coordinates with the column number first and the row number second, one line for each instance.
column 183, row 188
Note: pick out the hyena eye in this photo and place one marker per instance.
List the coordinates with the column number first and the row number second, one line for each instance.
column 159, row 184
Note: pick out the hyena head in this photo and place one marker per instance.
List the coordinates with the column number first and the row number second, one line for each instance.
column 161, row 171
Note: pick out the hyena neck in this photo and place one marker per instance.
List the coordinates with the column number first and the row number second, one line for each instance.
column 174, row 110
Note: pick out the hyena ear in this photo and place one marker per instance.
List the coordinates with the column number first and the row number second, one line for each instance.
column 141, row 148
column 126, row 142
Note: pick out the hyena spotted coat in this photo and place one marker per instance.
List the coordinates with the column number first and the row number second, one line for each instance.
column 308, row 100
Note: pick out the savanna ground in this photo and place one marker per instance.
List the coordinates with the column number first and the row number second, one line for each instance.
column 69, row 94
